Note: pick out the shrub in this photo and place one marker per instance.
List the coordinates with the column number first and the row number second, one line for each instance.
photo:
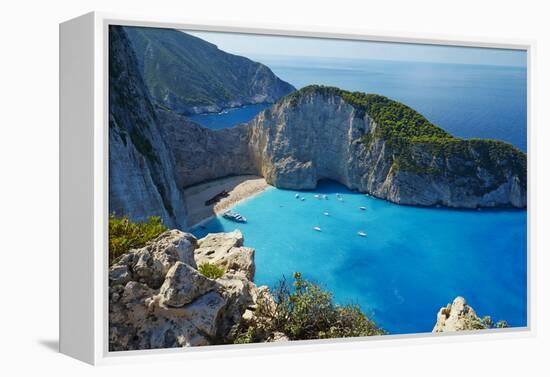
column 125, row 234
column 305, row 311
column 487, row 323
column 211, row 270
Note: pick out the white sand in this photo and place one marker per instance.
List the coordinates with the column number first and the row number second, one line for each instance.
column 239, row 188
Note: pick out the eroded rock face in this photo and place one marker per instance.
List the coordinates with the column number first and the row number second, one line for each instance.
column 182, row 285
column 314, row 135
column 457, row 316
column 226, row 250
column 158, row 299
column 141, row 166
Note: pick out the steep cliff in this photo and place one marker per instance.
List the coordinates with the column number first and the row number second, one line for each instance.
column 141, row 167
column 189, row 75
column 202, row 154
column 373, row 144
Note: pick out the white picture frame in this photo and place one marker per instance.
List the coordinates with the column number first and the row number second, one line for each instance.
column 84, row 189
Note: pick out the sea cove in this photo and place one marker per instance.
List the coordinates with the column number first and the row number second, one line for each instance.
column 388, row 196
column 412, row 260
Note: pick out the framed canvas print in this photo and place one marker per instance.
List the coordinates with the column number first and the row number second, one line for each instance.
column 240, row 189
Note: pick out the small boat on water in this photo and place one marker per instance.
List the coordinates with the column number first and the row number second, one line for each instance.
column 325, row 213
column 361, row 234
column 234, row 216
column 363, row 208
column 297, row 196
column 317, row 228
column 302, row 199
column 325, row 197
column 316, row 196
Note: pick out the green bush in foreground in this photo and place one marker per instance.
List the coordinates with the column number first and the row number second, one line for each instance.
column 211, row 270
column 305, row 311
column 125, row 234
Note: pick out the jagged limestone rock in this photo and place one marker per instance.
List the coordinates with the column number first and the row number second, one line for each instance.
column 182, row 285
column 225, row 250
column 158, row 300
column 457, row 316
column 150, row 263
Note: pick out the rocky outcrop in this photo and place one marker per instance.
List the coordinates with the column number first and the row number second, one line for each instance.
column 191, row 76
column 459, row 316
column 372, row 144
column 227, row 250
column 158, row 298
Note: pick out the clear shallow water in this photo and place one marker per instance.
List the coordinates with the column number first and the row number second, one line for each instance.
column 413, row 261
column 466, row 100
column 229, row 117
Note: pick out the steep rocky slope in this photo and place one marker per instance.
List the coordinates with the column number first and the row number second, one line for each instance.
column 158, row 298
column 141, row 167
column 189, row 75
column 372, row 144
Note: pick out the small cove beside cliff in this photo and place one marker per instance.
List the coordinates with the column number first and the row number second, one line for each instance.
column 412, row 260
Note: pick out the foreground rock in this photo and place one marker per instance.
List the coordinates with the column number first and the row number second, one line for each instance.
column 158, row 298
column 459, row 316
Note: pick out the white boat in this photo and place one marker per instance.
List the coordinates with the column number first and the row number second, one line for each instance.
column 302, row 199
column 325, row 213
column 316, row 196
column 340, row 199
column 361, row 234
column 363, row 208
column 297, row 196
column 325, row 197
column 234, row 216
column 317, row 228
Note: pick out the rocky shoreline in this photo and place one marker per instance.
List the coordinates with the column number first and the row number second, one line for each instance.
column 158, row 298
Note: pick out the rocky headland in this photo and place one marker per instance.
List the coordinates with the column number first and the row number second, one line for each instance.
column 188, row 75
column 367, row 142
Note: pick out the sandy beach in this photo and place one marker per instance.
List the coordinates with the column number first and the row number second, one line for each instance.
column 239, row 188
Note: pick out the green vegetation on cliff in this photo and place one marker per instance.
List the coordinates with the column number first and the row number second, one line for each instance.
column 407, row 132
column 211, row 270
column 182, row 71
column 125, row 234
column 305, row 311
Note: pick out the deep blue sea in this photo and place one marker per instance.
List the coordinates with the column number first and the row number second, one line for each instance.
column 466, row 100
column 412, row 262
column 229, row 117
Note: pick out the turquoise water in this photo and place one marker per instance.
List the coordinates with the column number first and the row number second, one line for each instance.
column 413, row 261
column 466, row 100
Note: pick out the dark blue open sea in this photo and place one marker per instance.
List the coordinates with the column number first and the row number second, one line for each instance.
column 414, row 260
